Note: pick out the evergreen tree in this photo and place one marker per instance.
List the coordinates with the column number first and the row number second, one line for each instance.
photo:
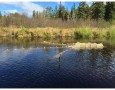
column 0, row 15
column 56, row 14
column 73, row 12
column 34, row 13
column 110, row 11
column 97, row 10
column 48, row 13
column 67, row 14
column 76, row 13
column 62, row 11
column 83, row 10
column 113, row 11
column 37, row 14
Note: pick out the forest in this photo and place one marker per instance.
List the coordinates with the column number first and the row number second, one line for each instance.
column 97, row 12
column 98, row 15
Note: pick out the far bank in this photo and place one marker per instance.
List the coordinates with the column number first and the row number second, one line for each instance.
column 49, row 32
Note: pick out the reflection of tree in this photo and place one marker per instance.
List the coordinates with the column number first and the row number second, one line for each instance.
column 106, row 59
column 60, row 49
column 59, row 59
column 46, row 51
column 100, row 60
column 92, row 57
column 59, row 63
column 80, row 54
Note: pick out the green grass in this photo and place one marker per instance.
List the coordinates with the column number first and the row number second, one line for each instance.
column 46, row 35
column 82, row 32
column 93, row 33
column 111, row 33
column 23, row 33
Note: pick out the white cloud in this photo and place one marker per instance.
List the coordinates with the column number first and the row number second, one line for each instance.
column 27, row 7
column 62, row 2
column 89, row 3
column 10, row 11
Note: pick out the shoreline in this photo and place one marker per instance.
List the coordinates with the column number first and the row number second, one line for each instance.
column 49, row 32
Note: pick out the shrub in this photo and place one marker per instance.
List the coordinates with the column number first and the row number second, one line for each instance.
column 46, row 35
column 110, row 33
column 83, row 33
column 95, row 34
column 77, row 35
column 23, row 33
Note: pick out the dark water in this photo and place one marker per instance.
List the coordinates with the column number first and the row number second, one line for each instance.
column 30, row 64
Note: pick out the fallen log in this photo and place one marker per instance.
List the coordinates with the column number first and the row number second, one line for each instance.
column 78, row 46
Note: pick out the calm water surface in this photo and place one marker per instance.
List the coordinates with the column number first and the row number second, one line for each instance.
column 31, row 64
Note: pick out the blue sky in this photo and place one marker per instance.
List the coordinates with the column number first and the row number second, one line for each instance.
column 28, row 7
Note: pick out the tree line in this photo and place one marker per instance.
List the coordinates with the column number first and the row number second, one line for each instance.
column 97, row 11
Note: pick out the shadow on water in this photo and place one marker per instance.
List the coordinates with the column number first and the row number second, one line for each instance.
column 30, row 63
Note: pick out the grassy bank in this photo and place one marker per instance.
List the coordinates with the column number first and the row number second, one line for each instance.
column 83, row 32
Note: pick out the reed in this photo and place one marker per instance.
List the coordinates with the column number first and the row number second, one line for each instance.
column 23, row 33
column 49, row 32
column 83, row 32
column 111, row 33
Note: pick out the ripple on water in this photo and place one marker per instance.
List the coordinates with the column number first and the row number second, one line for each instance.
column 76, row 68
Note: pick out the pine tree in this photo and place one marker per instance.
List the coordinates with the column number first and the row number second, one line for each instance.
column 0, row 14
column 37, row 14
column 113, row 10
column 110, row 11
column 34, row 13
column 62, row 11
column 97, row 10
column 83, row 10
column 73, row 12
column 56, row 14
column 48, row 13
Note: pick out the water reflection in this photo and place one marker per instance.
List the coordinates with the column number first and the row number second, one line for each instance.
column 26, row 63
